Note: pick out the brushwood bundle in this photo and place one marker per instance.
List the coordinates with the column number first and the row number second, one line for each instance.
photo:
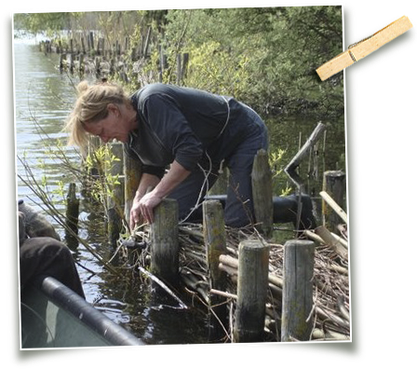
column 330, row 312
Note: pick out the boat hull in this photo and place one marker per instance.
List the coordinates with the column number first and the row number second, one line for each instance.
column 53, row 316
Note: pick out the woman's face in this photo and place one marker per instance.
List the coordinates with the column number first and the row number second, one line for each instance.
column 110, row 128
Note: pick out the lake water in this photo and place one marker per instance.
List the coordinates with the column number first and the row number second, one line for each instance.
column 43, row 99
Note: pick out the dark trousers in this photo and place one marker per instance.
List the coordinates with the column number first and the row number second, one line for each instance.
column 46, row 256
column 239, row 159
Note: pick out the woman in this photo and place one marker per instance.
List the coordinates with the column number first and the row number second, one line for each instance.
column 193, row 132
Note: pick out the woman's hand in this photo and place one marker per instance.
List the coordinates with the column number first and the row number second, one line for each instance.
column 144, row 204
column 142, row 209
column 135, row 215
column 148, row 182
column 147, row 205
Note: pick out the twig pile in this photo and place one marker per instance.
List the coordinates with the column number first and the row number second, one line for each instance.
column 331, row 280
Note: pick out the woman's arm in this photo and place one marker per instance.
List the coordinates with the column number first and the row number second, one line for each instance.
column 144, row 203
column 176, row 174
column 148, row 181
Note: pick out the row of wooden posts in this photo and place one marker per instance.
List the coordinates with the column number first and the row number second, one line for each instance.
column 253, row 276
column 93, row 57
column 91, row 44
column 253, row 257
column 128, row 172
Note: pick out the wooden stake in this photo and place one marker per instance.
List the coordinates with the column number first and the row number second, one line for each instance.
column 146, row 46
column 290, row 169
column 251, row 291
column 132, row 172
column 215, row 241
column 297, row 298
column 115, row 201
column 165, row 246
column 334, row 189
column 262, row 192
column 339, row 211
column 335, row 243
column 73, row 209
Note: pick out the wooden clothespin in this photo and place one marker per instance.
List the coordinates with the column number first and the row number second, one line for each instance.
column 363, row 48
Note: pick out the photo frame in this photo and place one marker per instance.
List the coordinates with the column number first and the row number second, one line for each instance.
column 351, row 350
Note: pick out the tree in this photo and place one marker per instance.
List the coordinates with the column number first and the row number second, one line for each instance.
column 264, row 56
column 41, row 22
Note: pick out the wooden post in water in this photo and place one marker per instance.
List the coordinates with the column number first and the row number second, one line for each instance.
column 334, row 183
column 71, row 63
column 116, row 200
column 251, row 290
column 81, row 66
column 290, row 169
column 165, row 246
column 132, row 172
column 297, row 292
column 91, row 43
column 262, row 192
column 62, row 62
column 72, row 213
column 215, row 241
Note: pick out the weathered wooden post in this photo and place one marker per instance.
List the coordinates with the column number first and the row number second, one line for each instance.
column 179, row 69
column 97, row 65
column 251, row 290
column 220, row 186
column 71, row 63
column 132, row 172
column 334, row 183
column 127, row 42
column 147, row 42
column 215, row 241
column 72, row 212
column 185, row 60
column 100, row 46
column 262, row 192
column 59, row 48
column 115, row 200
column 297, row 293
column 290, row 169
column 165, row 245
column 81, row 66
column 49, row 46
column 182, row 64
column 62, row 62
column 91, row 43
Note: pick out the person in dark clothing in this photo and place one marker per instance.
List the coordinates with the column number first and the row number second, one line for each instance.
column 193, row 132
column 42, row 253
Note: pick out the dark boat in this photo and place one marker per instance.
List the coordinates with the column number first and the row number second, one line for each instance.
column 52, row 316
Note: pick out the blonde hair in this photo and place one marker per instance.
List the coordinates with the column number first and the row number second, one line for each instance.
column 90, row 107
